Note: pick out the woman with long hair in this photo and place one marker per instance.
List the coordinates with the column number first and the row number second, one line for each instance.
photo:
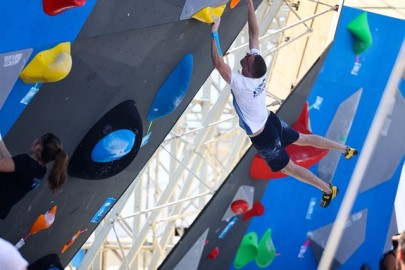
column 21, row 173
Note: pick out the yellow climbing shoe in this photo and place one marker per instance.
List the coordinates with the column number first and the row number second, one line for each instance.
column 327, row 198
column 350, row 152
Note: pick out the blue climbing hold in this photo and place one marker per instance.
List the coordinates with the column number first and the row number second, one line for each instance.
column 173, row 90
column 113, row 146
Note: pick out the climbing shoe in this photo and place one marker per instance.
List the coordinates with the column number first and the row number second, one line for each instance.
column 350, row 152
column 327, row 198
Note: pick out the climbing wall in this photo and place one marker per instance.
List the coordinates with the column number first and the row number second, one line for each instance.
column 226, row 218
column 110, row 79
column 258, row 219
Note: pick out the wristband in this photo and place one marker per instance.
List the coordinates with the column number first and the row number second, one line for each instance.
column 214, row 35
column 1, row 138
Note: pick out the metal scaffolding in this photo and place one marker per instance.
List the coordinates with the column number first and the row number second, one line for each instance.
column 194, row 159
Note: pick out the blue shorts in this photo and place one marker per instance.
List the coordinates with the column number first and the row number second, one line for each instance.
column 271, row 142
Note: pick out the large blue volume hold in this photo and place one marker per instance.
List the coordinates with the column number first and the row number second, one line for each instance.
column 173, row 90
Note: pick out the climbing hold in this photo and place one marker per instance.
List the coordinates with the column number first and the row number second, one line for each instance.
column 44, row 221
column 72, row 240
column 233, row 3
column 266, row 250
column 304, row 156
column 206, row 15
column 257, row 210
column 55, row 7
column 90, row 162
column 361, row 31
column 173, row 90
column 113, row 146
column 245, row 193
column 239, row 206
column 214, row 253
column 49, row 66
column 247, row 250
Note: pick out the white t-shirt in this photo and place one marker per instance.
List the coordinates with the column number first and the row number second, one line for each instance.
column 10, row 257
column 249, row 100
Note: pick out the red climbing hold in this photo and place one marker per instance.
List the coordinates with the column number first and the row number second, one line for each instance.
column 304, row 156
column 214, row 253
column 54, row 7
column 239, row 206
column 257, row 210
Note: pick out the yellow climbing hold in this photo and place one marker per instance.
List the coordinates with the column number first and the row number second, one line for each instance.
column 49, row 66
column 205, row 15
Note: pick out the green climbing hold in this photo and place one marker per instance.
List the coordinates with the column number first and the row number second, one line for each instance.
column 247, row 250
column 266, row 250
column 361, row 31
column 342, row 138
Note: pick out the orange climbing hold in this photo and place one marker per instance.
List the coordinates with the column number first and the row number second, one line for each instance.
column 71, row 241
column 55, row 7
column 234, row 3
column 44, row 221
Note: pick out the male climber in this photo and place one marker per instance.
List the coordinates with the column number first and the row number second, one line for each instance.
column 269, row 134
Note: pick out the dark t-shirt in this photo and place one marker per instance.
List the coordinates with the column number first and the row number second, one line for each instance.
column 15, row 185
